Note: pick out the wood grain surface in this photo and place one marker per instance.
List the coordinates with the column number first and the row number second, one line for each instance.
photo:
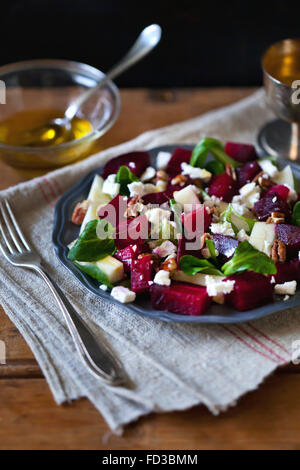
column 268, row 418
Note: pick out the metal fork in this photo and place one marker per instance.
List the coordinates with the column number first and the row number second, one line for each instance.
column 18, row 252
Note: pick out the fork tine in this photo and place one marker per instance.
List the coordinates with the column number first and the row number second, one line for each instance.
column 17, row 226
column 10, row 228
column 8, row 243
column 4, row 252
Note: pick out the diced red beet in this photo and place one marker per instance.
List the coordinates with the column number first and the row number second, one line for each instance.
column 247, row 172
column 290, row 236
column 141, row 274
column 225, row 245
column 184, row 299
column 241, row 152
column 280, row 190
column 114, row 211
column 271, row 202
column 132, row 231
column 179, row 156
column 223, row 186
column 251, row 290
column 196, row 222
column 184, row 249
column 137, row 162
column 288, row 271
column 129, row 253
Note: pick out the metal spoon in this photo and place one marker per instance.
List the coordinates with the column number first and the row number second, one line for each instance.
column 58, row 127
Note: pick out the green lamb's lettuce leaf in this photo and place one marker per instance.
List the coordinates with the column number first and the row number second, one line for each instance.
column 199, row 154
column 215, row 148
column 215, row 167
column 248, row 258
column 93, row 271
column 211, row 247
column 94, row 243
column 191, row 265
column 296, row 214
column 124, row 177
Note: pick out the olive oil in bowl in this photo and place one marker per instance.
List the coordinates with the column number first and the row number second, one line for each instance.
column 33, row 128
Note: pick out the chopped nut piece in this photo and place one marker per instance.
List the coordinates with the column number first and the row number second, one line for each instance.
column 79, row 212
column 255, row 179
column 134, row 206
column 230, row 171
column 276, row 218
column 278, row 251
column 219, row 299
column 162, row 175
column 169, row 264
column 263, row 180
column 179, row 179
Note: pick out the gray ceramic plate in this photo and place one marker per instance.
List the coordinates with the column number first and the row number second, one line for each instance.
column 65, row 232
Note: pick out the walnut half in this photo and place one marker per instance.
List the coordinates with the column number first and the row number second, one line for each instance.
column 278, row 251
column 79, row 212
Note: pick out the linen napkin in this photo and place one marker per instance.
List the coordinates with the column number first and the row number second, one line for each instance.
column 171, row 366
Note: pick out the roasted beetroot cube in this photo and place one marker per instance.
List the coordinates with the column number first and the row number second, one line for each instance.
column 280, row 190
column 290, row 236
column 225, row 245
column 179, row 156
column 137, row 162
column 247, row 172
column 188, row 247
column 132, row 231
column 141, row 274
column 241, row 152
column 271, row 202
column 288, row 271
column 114, row 211
column 130, row 252
column 184, row 299
column 251, row 290
column 196, row 222
column 223, row 186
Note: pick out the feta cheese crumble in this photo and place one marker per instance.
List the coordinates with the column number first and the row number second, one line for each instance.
column 194, row 172
column 123, row 295
column 137, row 188
column 162, row 160
column 156, row 215
column 249, row 195
column 103, row 287
column 268, row 167
column 110, row 187
column 165, row 249
column 223, row 228
column 287, row 288
column 162, row 278
column 148, row 174
column 215, row 287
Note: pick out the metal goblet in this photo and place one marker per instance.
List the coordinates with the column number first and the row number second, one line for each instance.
column 281, row 70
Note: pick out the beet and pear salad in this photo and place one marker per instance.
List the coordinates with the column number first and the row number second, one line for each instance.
column 212, row 224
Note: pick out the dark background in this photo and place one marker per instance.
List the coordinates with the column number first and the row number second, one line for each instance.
column 205, row 43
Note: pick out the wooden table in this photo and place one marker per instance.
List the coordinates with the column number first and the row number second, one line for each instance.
column 29, row 419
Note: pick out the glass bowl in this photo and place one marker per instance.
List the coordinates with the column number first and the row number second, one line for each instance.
column 53, row 84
